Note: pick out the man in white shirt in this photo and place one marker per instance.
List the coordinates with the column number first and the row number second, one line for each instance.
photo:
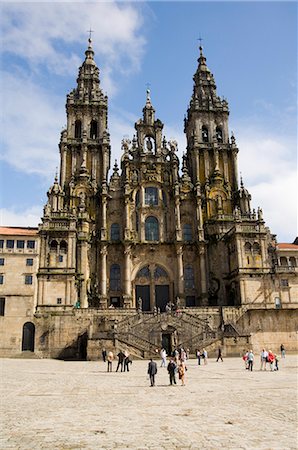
column 163, row 355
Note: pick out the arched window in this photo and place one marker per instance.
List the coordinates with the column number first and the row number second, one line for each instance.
column 256, row 248
column 93, row 129
column 151, row 229
column 159, row 272
column 115, row 232
column 247, row 247
column 63, row 247
column 144, row 272
column 78, row 129
column 151, row 196
column 292, row 261
column 283, row 261
column 205, row 134
column 137, row 199
column 53, row 246
column 187, row 232
column 115, row 278
column 189, row 279
column 219, row 136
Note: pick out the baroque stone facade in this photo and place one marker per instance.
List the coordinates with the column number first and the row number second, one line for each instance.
column 154, row 237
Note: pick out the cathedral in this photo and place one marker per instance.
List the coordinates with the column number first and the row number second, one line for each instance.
column 155, row 251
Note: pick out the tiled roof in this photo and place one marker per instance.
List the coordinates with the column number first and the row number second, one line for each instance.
column 18, row 231
column 285, row 246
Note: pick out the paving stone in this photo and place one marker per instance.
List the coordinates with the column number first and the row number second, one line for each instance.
column 56, row 405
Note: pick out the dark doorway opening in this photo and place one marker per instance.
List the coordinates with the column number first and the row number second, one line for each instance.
column 190, row 301
column 143, row 292
column 28, row 337
column 82, row 346
column 162, row 296
column 166, row 342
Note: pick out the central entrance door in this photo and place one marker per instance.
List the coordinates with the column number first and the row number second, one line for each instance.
column 162, row 296
column 166, row 343
column 143, row 292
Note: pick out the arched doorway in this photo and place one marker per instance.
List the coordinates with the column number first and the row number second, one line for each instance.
column 152, row 285
column 28, row 337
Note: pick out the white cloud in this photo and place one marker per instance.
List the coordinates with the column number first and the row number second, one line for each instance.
column 31, row 121
column 42, row 34
column 26, row 218
column 268, row 165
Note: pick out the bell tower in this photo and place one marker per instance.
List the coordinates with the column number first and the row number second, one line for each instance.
column 211, row 154
column 75, row 214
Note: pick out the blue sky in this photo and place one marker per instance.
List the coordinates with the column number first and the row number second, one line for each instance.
column 251, row 48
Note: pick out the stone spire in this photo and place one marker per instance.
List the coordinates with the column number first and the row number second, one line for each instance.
column 204, row 95
column 88, row 80
column 148, row 110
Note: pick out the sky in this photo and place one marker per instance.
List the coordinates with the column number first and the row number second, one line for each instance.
column 251, row 48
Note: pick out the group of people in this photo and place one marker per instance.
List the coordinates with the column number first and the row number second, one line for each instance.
column 266, row 357
column 203, row 355
column 124, row 360
column 176, row 365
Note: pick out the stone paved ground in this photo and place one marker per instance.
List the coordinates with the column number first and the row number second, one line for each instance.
column 49, row 404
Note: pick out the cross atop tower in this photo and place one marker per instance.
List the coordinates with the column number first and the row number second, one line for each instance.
column 90, row 33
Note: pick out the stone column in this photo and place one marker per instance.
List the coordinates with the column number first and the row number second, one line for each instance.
column 104, row 218
column 177, row 214
column 63, row 165
column 203, row 273
column 40, row 291
column 127, row 279
column 85, row 273
column 235, row 167
column 103, row 285
column 180, row 271
column 127, row 219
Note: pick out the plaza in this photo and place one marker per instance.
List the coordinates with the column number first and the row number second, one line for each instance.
column 53, row 404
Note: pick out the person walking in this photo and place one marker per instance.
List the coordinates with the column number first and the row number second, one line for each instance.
column 271, row 360
column 199, row 357
column 121, row 358
column 181, row 372
column 152, row 371
column 127, row 361
column 110, row 361
column 282, row 351
column 104, row 354
column 172, row 371
column 219, row 355
column 163, row 355
column 250, row 359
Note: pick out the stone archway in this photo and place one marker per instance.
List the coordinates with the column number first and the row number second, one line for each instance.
column 152, row 285
column 28, row 337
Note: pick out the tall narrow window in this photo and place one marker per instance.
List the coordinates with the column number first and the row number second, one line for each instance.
column 115, row 278
column 189, row 279
column 205, row 134
column 219, row 137
column 10, row 243
column 151, row 196
column 137, row 199
column 115, row 232
column 2, row 306
column 151, row 229
column 63, row 247
column 28, row 279
column 30, row 244
column 29, row 262
column 187, row 232
column 20, row 244
column 1, row 243
column 53, row 246
column 1, row 261
column 78, row 129
column 1, row 279
column 93, row 129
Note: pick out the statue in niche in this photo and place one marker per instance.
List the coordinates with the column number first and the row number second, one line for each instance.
column 149, row 145
column 219, row 204
column 135, row 176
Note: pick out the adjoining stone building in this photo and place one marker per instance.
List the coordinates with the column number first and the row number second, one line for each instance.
column 156, row 255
